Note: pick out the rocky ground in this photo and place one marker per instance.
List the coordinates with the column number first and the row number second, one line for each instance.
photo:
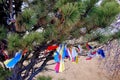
column 111, row 64
column 95, row 69
column 84, row 70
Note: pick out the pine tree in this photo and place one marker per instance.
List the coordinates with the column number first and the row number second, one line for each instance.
column 58, row 18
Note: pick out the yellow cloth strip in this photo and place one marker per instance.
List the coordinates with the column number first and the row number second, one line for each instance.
column 7, row 61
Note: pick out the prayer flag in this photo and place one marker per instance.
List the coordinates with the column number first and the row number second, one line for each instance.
column 52, row 47
column 56, row 56
column 101, row 52
column 69, row 53
column 57, row 67
column 89, row 58
column 62, row 66
column 76, row 59
column 12, row 62
column 79, row 49
column 88, row 46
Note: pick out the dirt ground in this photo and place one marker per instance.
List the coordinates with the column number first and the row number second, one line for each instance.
column 84, row 70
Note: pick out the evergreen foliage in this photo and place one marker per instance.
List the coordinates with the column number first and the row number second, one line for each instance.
column 103, row 15
column 44, row 78
column 4, row 74
column 75, row 14
column 27, row 18
column 72, row 15
column 3, row 32
column 33, row 37
column 16, row 42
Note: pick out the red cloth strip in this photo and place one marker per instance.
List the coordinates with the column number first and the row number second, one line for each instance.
column 52, row 47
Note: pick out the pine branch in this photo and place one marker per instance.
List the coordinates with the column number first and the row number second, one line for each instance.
column 48, row 58
column 19, row 69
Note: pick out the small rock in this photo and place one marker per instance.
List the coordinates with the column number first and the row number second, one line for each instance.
column 83, row 30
